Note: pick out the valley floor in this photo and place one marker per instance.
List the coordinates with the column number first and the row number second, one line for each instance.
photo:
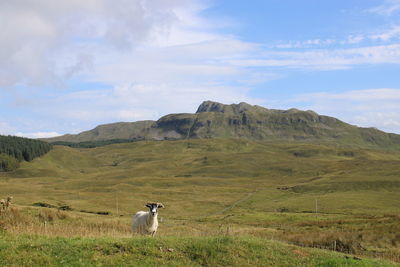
column 235, row 197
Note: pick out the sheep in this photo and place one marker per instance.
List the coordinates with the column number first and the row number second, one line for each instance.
column 3, row 205
column 8, row 202
column 145, row 222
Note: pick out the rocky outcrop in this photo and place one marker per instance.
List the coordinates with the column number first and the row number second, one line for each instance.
column 216, row 120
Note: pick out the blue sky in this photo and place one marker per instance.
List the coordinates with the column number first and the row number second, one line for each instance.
column 68, row 66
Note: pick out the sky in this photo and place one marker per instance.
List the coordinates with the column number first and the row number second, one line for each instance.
column 67, row 66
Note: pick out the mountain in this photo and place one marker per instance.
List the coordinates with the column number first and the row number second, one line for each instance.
column 216, row 120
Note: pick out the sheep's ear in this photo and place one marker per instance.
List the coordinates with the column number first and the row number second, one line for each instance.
column 148, row 205
column 160, row 205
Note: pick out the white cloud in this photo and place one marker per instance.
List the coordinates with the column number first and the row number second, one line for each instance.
column 325, row 59
column 354, row 39
column 37, row 35
column 393, row 32
column 305, row 44
column 132, row 41
column 368, row 108
column 388, row 121
column 390, row 94
column 388, row 8
column 38, row 134
column 139, row 102
column 156, row 56
column 199, row 63
column 385, row 35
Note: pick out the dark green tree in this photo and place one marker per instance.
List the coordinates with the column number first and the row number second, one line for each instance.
column 19, row 149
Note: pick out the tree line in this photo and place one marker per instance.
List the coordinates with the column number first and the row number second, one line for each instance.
column 15, row 149
column 93, row 144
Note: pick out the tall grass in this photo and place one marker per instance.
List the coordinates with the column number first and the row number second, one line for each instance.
column 167, row 251
column 358, row 235
column 52, row 222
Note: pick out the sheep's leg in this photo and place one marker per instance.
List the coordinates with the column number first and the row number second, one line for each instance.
column 153, row 233
column 142, row 230
column 139, row 229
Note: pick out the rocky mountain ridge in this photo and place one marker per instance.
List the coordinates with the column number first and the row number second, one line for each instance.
column 216, row 120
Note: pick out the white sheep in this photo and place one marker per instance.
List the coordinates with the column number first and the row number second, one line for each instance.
column 145, row 222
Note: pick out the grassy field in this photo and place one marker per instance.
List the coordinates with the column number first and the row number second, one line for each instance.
column 244, row 192
column 171, row 251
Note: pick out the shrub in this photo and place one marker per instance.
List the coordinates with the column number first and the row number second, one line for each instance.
column 8, row 163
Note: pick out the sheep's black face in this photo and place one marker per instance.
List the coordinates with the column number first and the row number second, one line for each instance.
column 153, row 208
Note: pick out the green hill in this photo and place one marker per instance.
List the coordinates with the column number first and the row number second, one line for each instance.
column 319, row 195
column 215, row 120
column 170, row 170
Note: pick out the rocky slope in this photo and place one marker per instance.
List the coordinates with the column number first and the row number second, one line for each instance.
column 216, row 120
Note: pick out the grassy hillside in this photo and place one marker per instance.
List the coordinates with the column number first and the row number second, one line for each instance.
column 212, row 187
column 216, row 120
column 214, row 173
column 119, row 130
